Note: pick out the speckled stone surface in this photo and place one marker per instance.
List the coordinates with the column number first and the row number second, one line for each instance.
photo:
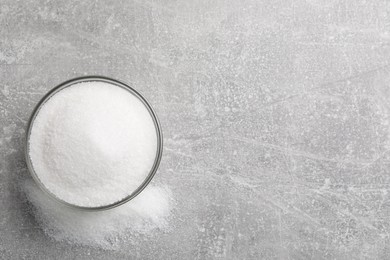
column 276, row 117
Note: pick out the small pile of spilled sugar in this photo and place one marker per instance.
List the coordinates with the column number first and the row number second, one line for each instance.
column 146, row 213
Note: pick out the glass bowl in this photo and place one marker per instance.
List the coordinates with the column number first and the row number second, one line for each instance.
column 69, row 83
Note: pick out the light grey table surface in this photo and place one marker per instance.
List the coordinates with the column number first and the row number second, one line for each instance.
column 276, row 115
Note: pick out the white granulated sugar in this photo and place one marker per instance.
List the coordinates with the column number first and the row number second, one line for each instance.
column 148, row 212
column 92, row 144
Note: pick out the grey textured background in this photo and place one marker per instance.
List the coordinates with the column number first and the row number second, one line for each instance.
column 275, row 114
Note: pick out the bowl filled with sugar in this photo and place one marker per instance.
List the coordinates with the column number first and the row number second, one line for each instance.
column 93, row 143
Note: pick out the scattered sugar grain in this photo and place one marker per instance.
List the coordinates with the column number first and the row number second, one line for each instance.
column 150, row 211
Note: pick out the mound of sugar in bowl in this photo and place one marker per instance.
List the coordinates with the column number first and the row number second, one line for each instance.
column 92, row 144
